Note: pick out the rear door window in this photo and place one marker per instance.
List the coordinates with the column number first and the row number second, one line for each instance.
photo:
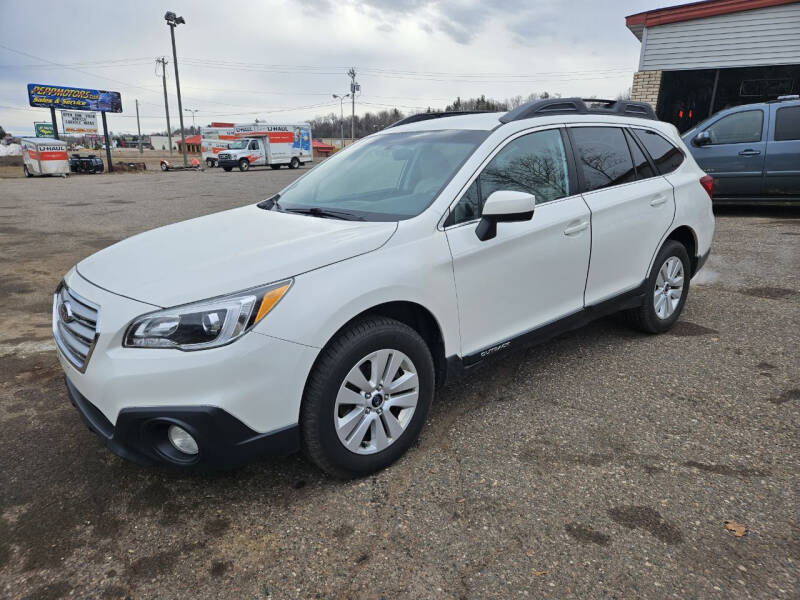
column 787, row 124
column 603, row 157
column 665, row 155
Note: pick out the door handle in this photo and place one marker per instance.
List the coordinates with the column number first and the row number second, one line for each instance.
column 749, row 152
column 658, row 200
column 577, row 228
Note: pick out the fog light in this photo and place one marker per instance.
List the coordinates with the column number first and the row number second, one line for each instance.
column 181, row 440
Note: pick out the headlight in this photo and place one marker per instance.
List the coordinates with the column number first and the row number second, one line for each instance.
column 205, row 324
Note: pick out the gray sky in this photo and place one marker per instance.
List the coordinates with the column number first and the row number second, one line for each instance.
column 281, row 60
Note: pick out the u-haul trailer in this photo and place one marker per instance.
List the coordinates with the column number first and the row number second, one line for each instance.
column 44, row 156
column 260, row 144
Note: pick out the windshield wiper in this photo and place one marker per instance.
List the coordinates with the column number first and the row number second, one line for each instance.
column 316, row 211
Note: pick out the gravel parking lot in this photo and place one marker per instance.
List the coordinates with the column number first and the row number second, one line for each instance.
column 601, row 465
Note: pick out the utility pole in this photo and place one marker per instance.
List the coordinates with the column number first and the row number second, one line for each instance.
column 163, row 62
column 354, row 87
column 138, row 127
column 173, row 21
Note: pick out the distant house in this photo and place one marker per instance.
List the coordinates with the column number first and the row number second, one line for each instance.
column 699, row 58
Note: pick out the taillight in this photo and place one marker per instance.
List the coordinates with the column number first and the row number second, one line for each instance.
column 707, row 181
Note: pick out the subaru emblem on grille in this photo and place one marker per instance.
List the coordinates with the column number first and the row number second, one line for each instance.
column 65, row 312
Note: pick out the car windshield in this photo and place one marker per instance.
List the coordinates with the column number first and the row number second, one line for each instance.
column 240, row 145
column 387, row 177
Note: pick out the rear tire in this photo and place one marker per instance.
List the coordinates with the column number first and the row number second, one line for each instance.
column 244, row 165
column 327, row 399
column 294, row 163
column 164, row 166
column 210, row 163
column 666, row 290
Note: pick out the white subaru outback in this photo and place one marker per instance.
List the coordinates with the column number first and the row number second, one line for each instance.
column 325, row 317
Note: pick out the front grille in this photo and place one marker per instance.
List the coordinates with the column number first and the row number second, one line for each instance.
column 74, row 326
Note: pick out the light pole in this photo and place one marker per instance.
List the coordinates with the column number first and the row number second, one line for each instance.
column 194, row 112
column 173, row 21
column 341, row 116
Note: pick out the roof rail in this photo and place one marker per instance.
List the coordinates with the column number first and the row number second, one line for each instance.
column 580, row 106
column 433, row 115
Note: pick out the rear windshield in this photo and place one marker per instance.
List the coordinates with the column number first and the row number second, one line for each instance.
column 386, row 177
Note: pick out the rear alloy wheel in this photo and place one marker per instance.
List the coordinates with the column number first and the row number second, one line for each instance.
column 666, row 290
column 294, row 163
column 367, row 397
column 244, row 165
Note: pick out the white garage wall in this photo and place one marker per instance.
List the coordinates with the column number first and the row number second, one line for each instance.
column 766, row 36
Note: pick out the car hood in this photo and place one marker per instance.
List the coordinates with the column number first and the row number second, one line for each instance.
column 227, row 252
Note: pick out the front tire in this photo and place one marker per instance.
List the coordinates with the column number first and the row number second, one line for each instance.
column 244, row 165
column 25, row 171
column 666, row 290
column 367, row 397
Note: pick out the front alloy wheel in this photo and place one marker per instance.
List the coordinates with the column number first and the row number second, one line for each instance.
column 376, row 401
column 367, row 397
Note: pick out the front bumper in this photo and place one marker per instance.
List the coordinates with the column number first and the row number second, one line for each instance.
column 234, row 396
column 140, row 434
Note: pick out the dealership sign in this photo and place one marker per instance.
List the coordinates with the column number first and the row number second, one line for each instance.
column 79, row 123
column 43, row 130
column 60, row 97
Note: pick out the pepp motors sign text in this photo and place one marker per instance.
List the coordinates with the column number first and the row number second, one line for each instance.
column 79, row 123
column 60, row 97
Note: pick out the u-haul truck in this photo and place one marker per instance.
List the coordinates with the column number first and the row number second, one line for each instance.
column 261, row 144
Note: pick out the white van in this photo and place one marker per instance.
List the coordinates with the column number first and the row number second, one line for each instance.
column 44, row 156
column 272, row 145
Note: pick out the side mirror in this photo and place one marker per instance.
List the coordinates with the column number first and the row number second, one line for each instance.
column 504, row 207
column 702, row 139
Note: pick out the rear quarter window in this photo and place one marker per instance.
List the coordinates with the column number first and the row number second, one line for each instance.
column 666, row 156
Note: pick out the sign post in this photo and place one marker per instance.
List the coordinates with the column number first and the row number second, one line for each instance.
column 53, row 119
column 108, row 143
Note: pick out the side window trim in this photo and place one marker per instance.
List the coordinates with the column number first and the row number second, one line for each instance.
column 571, row 172
column 632, row 140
